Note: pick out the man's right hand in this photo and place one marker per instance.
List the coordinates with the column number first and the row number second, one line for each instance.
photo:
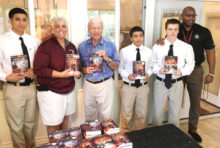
column 14, row 77
column 163, row 71
column 88, row 70
column 131, row 77
column 160, row 41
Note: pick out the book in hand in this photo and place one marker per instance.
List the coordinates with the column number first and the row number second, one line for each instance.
column 74, row 133
column 104, row 141
column 68, row 143
column 91, row 129
column 86, row 144
column 139, row 69
column 121, row 141
column 96, row 61
column 72, row 62
column 49, row 145
column 54, row 137
column 19, row 64
column 170, row 63
column 109, row 127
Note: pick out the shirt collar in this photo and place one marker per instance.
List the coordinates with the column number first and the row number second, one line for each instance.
column 100, row 42
column 15, row 35
column 168, row 43
column 135, row 47
column 66, row 41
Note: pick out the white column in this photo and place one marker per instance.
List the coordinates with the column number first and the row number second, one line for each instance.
column 31, row 17
column 77, row 14
column 77, row 19
column 149, row 23
column 117, row 44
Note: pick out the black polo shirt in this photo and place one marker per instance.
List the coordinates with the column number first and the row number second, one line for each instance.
column 200, row 38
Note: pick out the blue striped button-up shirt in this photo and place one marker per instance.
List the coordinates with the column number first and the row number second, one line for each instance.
column 86, row 47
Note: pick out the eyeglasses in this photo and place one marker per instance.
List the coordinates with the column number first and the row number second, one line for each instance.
column 190, row 15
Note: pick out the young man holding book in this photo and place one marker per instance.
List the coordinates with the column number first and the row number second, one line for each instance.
column 19, row 89
column 135, row 68
column 179, row 57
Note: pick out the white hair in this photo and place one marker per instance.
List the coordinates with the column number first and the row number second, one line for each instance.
column 55, row 19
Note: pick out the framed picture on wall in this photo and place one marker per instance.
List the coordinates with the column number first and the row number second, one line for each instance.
column 168, row 15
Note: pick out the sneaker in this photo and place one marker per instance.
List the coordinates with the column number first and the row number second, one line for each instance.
column 195, row 136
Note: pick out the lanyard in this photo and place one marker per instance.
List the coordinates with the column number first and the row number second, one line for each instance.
column 190, row 36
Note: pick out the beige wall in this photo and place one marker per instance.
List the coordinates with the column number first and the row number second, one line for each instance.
column 211, row 19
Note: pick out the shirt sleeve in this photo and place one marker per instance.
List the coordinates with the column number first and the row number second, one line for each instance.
column 149, row 65
column 115, row 54
column 156, row 67
column 42, row 62
column 3, row 75
column 189, row 62
column 80, row 48
column 121, row 68
column 208, row 41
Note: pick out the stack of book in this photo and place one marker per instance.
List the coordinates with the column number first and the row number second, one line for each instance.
column 109, row 127
column 89, row 135
column 91, row 129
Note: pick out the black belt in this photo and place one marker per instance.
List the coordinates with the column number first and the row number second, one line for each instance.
column 21, row 84
column 133, row 84
column 172, row 81
column 42, row 88
column 96, row 82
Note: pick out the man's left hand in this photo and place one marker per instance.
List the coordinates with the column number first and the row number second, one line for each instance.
column 29, row 73
column 146, row 77
column 102, row 53
column 177, row 73
column 208, row 79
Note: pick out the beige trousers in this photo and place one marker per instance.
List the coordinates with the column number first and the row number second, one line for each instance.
column 98, row 100
column 21, row 105
column 175, row 97
column 134, row 103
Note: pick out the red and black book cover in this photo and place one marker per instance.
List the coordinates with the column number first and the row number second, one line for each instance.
column 170, row 63
column 96, row 61
column 104, row 141
column 91, row 129
column 72, row 62
column 74, row 132
column 68, row 143
column 110, row 127
column 86, row 144
column 54, row 137
column 121, row 140
column 19, row 64
column 139, row 69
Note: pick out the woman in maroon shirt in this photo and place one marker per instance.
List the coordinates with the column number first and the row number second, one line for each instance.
column 55, row 84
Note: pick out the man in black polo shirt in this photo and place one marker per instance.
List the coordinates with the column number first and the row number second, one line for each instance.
column 201, row 39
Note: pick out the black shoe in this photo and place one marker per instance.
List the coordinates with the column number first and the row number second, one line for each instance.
column 195, row 136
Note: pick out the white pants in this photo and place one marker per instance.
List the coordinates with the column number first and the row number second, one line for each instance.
column 175, row 97
column 54, row 106
column 98, row 100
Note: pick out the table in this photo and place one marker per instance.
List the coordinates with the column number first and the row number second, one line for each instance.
column 166, row 136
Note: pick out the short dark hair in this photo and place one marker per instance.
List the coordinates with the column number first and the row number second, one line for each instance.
column 13, row 11
column 134, row 29
column 172, row 21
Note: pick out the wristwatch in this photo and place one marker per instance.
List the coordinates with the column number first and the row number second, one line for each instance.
column 212, row 75
column 109, row 61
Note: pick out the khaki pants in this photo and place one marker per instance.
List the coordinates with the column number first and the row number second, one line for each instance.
column 175, row 97
column 98, row 100
column 194, row 86
column 21, row 104
column 134, row 103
